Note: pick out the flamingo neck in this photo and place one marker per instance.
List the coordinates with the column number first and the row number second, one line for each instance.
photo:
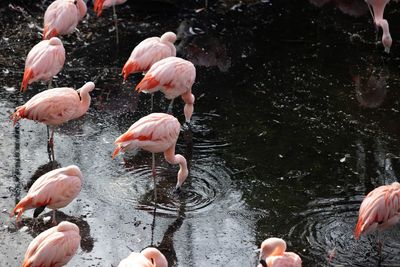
column 379, row 7
column 170, row 156
column 155, row 256
column 85, row 97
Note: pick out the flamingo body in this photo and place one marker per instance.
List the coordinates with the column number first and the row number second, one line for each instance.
column 156, row 133
column 149, row 257
column 62, row 17
column 379, row 210
column 99, row 5
column 54, row 247
column 45, row 60
column 149, row 51
column 174, row 77
column 273, row 253
column 56, row 106
column 55, row 189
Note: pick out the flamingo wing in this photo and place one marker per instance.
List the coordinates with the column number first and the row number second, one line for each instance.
column 379, row 209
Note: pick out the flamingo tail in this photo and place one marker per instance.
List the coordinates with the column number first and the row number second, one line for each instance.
column 28, row 74
column 357, row 230
column 21, row 207
column 130, row 67
column 98, row 7
column 18, row 114
column 48, row 35
column 147, row 83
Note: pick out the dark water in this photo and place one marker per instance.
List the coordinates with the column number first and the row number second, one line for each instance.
column 296, row 119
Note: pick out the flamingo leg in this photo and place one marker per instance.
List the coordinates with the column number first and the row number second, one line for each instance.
column 49, row 86
column 151, row 102
column 48, row 142
column 206, row 3
column 169, row 110
column 51, row 144
column 153, row 172
column 53, row 221
column 116, row 22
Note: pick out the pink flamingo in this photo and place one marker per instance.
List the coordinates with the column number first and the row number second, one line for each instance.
column 149, row 51
column 156, row 133
column 55, row 189
column 99, row 5
column 379, row 210
column 378, row 7
column 174, row 77
column 54, row 107
column 54, row 247
column 273, row 254
column 62, row 16
column 149, row 257
column 45, row 60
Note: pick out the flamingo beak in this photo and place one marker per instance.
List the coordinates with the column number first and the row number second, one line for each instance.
column 177, row 190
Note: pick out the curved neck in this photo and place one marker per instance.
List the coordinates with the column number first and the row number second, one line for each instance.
column 171, row 158
column 85, row 97
column 155, row 256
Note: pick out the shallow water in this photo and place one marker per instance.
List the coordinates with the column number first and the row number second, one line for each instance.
column 296, row 119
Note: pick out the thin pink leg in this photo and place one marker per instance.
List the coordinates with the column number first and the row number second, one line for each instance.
column 53, row 221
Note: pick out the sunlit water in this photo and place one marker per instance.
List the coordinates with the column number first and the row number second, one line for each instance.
column 296, row 119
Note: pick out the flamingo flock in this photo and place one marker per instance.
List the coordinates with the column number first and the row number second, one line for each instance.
column 155, row 133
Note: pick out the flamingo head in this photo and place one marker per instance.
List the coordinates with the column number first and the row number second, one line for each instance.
column 387, row 42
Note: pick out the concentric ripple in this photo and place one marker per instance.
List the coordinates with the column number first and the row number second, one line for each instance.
column 327, row 232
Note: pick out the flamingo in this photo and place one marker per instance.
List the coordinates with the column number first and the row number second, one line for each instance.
column 156, row 133
column 174, row 77
column 149, row 51
column 377, row 7
column 379, row 210
column 54, row 107
column 44, row 61
column 55, row 189
column 99, row 5
column 62, row 17
column 149, row 257
column 273, row 254
column 54, row 247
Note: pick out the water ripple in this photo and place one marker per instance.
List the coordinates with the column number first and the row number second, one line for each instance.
column 327, row 231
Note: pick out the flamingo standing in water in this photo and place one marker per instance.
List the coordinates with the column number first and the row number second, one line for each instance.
column 62, row 17
column 55, row 189
column 174, row 77
column 99, row 5
column 44, row 61
column 378, row 7
column 156, row 133
column 149, row 51
column 54, row 247
column 273, row 254
column 149, row 257
column 379, row 210
column 54, row 107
